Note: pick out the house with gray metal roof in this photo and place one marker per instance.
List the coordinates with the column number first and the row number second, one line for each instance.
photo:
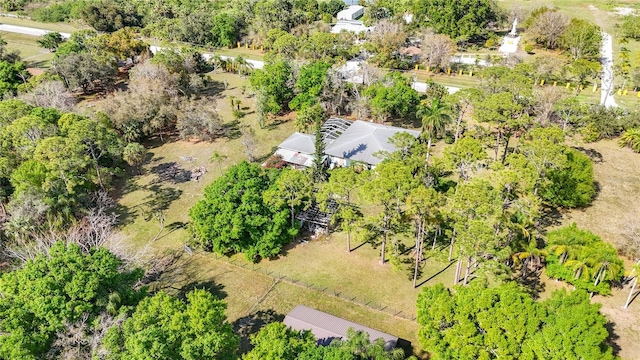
column 326, row 327
column 364, row 142
column 345, row 142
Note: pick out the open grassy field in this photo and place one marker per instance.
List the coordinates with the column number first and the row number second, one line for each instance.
column 29, row 50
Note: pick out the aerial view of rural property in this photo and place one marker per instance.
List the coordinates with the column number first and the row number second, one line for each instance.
column 319, row 179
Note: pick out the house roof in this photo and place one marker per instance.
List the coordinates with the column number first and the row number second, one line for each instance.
column 411, row 50
column 296, row 157
column 348, row 13
column 326, row 327
column 363, row 139
column 299, row 142
column 353, row 26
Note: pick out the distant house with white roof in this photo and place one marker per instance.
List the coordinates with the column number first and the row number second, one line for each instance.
column 353, row 12
column 353, row 26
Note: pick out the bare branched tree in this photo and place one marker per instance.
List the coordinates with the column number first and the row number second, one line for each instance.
column 50, row 94
column 437, row 50
column 249, row 142
column 547, row 28
column 545, row 100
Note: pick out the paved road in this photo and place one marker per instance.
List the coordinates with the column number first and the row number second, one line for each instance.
column 606, row 96
column 28, row 31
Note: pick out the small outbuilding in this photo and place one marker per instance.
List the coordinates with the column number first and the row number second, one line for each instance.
column 353, row 12
column 298, row 150
column 326, row 327
column 352, row 26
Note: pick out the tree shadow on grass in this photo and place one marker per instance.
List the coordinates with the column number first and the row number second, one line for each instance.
column 231, row 130
column 593, row 154
column 170, row 172
column 251, row 324
column 160, row 198
column 434, row 275
column 210, row 286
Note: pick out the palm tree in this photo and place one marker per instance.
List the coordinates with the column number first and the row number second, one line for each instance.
column 217, row 157
column 242, row 66
column 435, row 118
column 631, row 139
column 634, row 274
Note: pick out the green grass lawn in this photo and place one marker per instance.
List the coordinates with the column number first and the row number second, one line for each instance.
column 29, row 50
column 60, row 27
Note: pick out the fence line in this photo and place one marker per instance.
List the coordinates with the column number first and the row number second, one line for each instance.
column 369, row 304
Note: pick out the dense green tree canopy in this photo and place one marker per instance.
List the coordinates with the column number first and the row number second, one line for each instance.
column 504, row 322
column 165, row 327
column 393, row 98
column 273, row 82
column 234, row 217
column 278, row 342
column 63, row 286
column 461, row 20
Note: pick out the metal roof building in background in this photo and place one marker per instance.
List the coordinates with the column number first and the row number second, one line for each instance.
column 326, row 327
column 353, row 12
column 361, row 141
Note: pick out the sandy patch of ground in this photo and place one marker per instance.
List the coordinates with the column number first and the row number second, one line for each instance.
column 624, row 11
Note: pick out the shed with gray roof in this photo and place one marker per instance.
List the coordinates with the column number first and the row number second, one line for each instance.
column 326, row 327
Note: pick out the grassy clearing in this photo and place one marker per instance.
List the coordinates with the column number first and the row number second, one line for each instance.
column 59, row 27
column 29, row 50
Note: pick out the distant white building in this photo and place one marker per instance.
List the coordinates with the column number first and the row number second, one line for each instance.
column 353, row 26
column 353, row 12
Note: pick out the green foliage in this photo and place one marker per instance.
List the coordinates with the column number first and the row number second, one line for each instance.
column 573, row 185
column 581, row 258
column 309, row 85
column 109, row 16
column 51, row 290
column 165, row 327
column 224, row 30
column 582, row 39
column 273, row 83
column 393, row 98
column 574, row 329
column 277, row 342
column 134, row 154
column 85, row 71
column 630, row 26
column 630, row 139
column 59, row 12
column 604, row 123
column 504, row 322
column 58, row 159
column 466, row 19
column 310, row 117
column 234, row 217
column 50, row 41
